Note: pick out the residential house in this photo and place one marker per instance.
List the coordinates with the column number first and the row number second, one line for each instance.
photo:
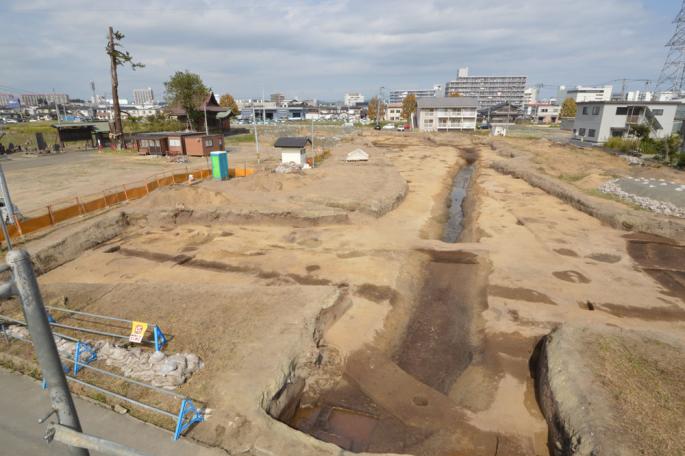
column 545, row 113
column 393, row 112
column 208, row 106
column 598, row 121
column 446, row 113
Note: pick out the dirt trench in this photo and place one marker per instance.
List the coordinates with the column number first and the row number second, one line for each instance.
column 400, row 403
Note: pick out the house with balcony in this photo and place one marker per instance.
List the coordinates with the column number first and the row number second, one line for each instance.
column 598, row 121
column 393, row 112
column 446, row 113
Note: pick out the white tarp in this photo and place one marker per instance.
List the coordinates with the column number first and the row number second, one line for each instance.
column 357, row 155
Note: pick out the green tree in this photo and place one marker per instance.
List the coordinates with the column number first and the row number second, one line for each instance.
column 408, row 106
column 568, row 108
column 640, row 131
column 373, row 105
column 187, row 91
column 118, row 57
column 227, row 101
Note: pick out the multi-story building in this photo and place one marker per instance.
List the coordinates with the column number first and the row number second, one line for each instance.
column 143, row 96
column 597, row 121
column 488, row 90
column 37, row 99
column 393, row 112
column 353, row 98
column 6, row 99
column 530, row 96
column 584, row 94
column 278, row 98
column 446, row 113
column 397, row 96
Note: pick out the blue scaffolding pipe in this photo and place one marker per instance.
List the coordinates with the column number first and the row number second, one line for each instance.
column 188, row 413
column 160, row 340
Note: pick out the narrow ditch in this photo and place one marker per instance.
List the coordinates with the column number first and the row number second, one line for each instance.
column 435, row 350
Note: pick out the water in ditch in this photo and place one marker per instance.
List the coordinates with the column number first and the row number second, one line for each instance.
column 455, row 222
column 434, row 352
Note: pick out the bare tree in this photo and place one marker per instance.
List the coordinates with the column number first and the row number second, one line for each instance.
column 118, row 57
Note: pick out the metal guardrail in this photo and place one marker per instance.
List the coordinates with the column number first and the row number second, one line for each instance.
column 187, row 415
column 23, row 283
column 159, row 338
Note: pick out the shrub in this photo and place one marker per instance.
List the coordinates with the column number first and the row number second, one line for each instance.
column 622, row 145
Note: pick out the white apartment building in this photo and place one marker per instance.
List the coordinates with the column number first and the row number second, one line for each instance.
column 585, row 94
column 393, row 112
column 143, row 96
column 530, row 96
column 352, row 98
column 488, row 90
column 447, row 113
column 598, row 121
column 37, row 99
column 397, row 96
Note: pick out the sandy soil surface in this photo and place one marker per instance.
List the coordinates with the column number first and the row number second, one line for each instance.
column 37, row 181
column 164, row 271
column 327, row 299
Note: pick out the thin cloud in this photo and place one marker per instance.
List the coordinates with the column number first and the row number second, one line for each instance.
column 322, row 49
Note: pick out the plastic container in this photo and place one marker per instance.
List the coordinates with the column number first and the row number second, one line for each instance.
column 219, row 164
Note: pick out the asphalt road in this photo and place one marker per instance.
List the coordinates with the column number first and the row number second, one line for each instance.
column 657, row 189
column 23, row 402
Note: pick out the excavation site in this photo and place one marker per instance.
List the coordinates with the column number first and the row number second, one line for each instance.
column 407, row 293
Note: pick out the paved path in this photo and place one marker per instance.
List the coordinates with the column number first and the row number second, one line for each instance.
column 22, row 402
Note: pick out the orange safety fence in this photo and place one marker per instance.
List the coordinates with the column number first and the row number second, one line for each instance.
column 69, row 208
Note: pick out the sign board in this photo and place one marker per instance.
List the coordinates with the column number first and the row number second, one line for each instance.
column 138, row 329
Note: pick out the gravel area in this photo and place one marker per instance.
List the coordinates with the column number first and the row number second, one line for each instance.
column 657, row 195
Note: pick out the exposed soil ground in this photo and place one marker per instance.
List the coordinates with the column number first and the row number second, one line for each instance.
column 328, row 300
column 39, row 180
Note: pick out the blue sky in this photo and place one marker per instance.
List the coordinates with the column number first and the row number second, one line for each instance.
column 322, row 49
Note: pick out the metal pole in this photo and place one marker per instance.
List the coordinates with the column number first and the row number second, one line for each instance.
column 9, row 207
column 70, row 437
column 256, row 135
column 206, row 127
column 43, row 342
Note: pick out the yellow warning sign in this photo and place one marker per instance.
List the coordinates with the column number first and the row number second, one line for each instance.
column 138, row 329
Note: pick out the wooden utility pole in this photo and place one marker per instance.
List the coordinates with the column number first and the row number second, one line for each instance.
column 118, row 57
column 118, row 129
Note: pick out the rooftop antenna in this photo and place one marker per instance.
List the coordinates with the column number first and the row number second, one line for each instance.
column 672, row 77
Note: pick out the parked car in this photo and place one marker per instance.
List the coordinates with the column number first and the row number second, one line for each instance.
column 389, row 127
column 377, row 127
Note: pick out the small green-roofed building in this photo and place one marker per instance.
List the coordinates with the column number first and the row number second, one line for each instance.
column 83, row 131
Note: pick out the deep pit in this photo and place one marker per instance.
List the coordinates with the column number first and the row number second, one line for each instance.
column 436, row 348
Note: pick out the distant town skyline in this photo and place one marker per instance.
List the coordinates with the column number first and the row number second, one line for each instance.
column 323, row 49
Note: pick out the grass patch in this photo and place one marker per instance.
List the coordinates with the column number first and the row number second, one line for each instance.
column 643, row 381
column 237, row 139
column 611, row 197
column 572, row 177
column 24, row 134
